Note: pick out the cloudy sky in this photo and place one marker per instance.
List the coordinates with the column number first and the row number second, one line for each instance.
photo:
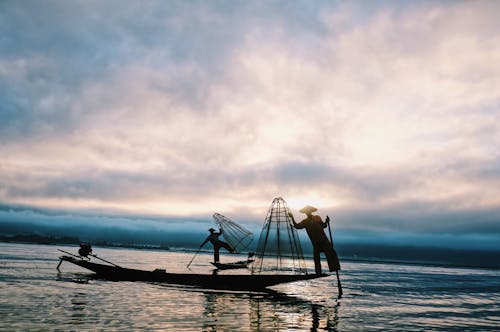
column 385, row 115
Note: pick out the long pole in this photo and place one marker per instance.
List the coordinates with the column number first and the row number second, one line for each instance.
column 69, row 253
column 80, row 257
column 95, row 256
column 192, row 259
column 336, row 271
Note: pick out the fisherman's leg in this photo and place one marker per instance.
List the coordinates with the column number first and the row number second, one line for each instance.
column 331, row 257
column 317, row 260
column 216, row 252
column 227, row 246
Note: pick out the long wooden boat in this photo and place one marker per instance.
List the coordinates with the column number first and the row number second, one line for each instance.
column 239, row 282
column 232, row 266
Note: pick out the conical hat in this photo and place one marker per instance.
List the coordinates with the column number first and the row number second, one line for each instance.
column 308, row 209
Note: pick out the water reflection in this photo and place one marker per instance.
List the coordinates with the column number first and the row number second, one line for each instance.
column 264, row 312
column 79, row 303
column 378, row 297
column 288, row 309
column 79, row 278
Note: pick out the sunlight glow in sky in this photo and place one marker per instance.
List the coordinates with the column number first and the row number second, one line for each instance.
column 384, row 114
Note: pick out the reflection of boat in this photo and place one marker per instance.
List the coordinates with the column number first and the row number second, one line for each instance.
column 242, row 282
column 270, row 311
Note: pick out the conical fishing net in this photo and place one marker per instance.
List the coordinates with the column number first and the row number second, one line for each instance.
column 238, row 237
column 279, row 249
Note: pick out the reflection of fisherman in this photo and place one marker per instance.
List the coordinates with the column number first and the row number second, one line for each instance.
column 214, row 239
column 314, row 226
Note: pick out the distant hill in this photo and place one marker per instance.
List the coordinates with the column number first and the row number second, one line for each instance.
column 39, row 239
column 55, row 240
column 346, row 251
column 420, row 255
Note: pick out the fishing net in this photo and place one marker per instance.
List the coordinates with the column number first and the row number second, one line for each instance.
column 235, row 235
column 279, row 249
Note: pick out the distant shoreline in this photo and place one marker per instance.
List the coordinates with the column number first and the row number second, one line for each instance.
column 68, row 240
column 74, row 241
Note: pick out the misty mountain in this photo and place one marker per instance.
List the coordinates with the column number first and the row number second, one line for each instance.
column 191, row 234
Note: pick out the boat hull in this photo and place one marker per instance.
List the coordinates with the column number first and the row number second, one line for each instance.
column 240, row 282
column 231, row 266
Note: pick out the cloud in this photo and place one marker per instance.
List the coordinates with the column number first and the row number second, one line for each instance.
column 184, row 108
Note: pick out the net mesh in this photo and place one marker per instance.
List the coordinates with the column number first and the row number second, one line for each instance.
column 235, row 235
column 279, row 249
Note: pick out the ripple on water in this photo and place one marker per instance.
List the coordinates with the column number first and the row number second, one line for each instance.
column 34, row 296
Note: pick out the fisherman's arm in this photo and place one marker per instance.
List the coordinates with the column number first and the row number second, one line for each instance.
column 295, row 224
column 293, row 219
column 204, row 242
column 317, row 219
column 327, row 221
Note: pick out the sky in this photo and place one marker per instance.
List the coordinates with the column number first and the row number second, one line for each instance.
column 384, row 115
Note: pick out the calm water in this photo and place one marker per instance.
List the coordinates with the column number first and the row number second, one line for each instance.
column 35, row 297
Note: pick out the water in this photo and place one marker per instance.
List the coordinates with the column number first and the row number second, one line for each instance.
column 35, row 297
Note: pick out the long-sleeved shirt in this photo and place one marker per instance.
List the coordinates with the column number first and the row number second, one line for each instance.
column 213, row 238
column 314, row 226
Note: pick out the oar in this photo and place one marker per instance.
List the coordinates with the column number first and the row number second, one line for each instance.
column 70, row 253
column 104, row 260
column 80, row 257
column 192, row 259
column 336, row 271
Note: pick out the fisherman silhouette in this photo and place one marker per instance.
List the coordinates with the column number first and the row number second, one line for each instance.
column 314, row 226
column 214, row 239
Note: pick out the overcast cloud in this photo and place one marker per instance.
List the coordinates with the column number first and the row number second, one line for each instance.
column 384, row 114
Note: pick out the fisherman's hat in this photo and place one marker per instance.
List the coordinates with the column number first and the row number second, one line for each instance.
column 308, row 209
column 211, row 230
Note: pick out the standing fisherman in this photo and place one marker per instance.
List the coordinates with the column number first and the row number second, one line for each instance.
column 314, row 226
column 214, row 239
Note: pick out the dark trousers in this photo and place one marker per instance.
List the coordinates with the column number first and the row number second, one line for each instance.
column 217, row 246
column 331, row 256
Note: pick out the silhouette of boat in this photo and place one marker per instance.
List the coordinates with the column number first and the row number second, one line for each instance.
column 237, row 282
column 231, row 266
column 235, row 265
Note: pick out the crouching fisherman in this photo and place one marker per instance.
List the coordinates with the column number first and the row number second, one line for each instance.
column 214, row 239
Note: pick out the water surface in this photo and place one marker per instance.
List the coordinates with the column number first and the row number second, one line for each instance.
column 36, row 297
